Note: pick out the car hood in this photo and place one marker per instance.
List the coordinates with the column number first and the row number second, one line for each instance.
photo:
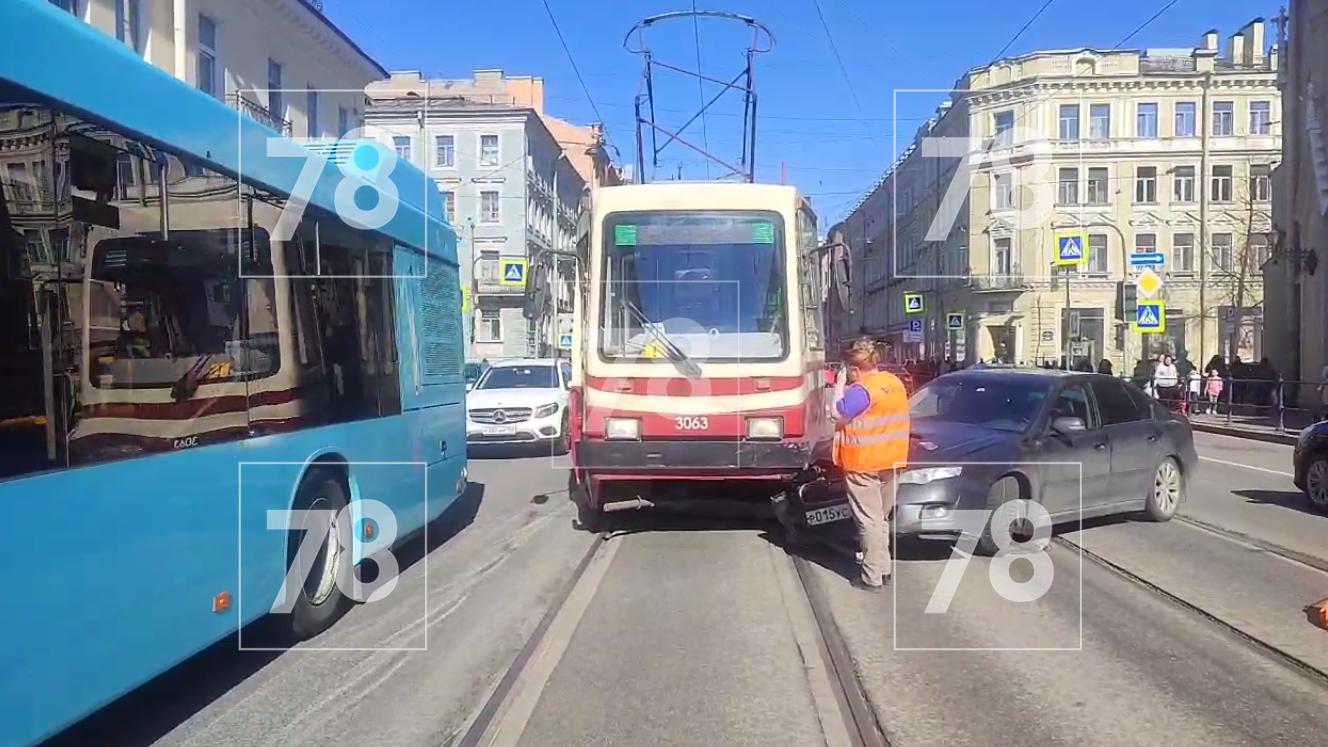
column 933, row 441
column 532, row 398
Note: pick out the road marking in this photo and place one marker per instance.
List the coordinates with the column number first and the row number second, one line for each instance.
column 1246, row 466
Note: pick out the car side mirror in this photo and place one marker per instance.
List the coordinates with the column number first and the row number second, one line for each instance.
column 1068, row 426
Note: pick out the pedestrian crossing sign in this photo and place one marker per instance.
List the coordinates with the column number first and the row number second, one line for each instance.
column 1071, row 248
column 1150, row 317
column 954, row 321
column 912, row 303
column 564, row 342
column 513, row 272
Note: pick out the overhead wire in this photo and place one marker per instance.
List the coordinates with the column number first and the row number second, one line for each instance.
column 577, row 70
column 700, row 84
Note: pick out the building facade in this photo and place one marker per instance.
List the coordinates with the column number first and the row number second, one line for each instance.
column 510, row 187
column 1297, row 280
column 1158, row 151
column 280, row 61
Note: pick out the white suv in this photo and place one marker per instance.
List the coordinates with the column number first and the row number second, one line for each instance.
column 520, row 401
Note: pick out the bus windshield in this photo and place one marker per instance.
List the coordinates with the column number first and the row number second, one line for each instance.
column 712, row 282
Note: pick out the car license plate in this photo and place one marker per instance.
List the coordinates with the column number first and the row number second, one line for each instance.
column 828, row 514
column 499, row 430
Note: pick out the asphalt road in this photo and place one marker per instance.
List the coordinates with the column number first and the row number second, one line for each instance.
column 694, row 632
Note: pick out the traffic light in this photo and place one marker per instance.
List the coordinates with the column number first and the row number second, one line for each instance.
column 1127, row 300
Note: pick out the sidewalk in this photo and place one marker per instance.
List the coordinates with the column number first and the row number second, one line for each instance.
column 1258, row 427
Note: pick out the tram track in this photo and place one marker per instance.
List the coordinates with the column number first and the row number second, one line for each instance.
column 839, row 698
column 1256, row 642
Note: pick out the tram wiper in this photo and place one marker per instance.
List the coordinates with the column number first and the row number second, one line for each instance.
column 684, row 363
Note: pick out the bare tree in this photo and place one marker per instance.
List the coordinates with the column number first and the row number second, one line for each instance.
column 1236, row 269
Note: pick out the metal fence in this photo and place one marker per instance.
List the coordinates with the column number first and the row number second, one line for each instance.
column 1278, row 403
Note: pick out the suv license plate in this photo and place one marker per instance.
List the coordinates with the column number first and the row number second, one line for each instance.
column 828, row 514
column 499, row 430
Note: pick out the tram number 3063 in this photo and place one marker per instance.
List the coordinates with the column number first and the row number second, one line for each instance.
column 691, row 424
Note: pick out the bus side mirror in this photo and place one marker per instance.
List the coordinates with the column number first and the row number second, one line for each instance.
column 841, row 274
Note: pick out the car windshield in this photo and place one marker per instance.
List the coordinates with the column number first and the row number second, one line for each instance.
column 713, row 282
column 519, row 377
column 1005, row 404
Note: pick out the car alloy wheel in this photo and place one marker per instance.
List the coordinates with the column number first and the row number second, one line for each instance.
column 1316, row 483
column 1166, row 487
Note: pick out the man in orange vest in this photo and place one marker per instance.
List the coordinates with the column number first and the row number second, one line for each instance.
column 870, row 443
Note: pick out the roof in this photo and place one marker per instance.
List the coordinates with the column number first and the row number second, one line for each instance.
column 514, row 362
column 317, row 9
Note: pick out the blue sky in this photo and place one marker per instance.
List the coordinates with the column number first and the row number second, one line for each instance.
column 833, row 134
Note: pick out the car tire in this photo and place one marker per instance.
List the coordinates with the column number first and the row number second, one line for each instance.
column 318, row 607
column 1166, row 491
column 1316, row 482
column 1005, row 489
column 564, row 442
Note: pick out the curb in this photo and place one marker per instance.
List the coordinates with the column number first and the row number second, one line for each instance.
column 1276, row 438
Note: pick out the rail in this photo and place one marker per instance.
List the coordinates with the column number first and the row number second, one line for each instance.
column 1284, row 405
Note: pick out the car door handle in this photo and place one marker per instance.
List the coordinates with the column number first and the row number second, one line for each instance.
column 1100, row 446
column 1153, row 437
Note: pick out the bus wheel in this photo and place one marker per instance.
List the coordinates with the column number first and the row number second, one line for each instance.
column 588, row 518
column 320, row 602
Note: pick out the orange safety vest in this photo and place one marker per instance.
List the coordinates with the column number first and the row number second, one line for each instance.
column 877, row 439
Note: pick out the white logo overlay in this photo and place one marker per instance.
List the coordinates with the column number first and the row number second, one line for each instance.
column 1022, row 580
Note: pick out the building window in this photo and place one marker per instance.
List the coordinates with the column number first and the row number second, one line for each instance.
column 1001, row 257
column 1185, row 119
column 1224, row 118
column 1002, row 191
column 1067, row 187
column 1182, row 252
column 1257, row 252
column 490, row 327
column 1261, row 118
column 401, row 144
column 449, row 207
column 1221, row 188
column 207, row 57
column 129, row 26
column 1145, row 184
column 275, row 105
column 1145, row 243
column 1145, row 121
column 1182, row 184
column 489, row 207
column 1004, row 126
column 488, row 150
column 1097, row 253
column 444, row 151
column 313, row 127
column 1222, row 250
column 1069, row 122
column 1261, row 182
column 1099, row 121
column 1097, row 186
column 343, row 121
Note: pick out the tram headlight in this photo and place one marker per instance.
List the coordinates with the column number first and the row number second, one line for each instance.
column 622, row 429
column 765, row 429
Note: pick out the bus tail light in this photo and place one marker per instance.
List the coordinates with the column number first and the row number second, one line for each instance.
column 221, row 602
column 622, row 429
column 765, row 429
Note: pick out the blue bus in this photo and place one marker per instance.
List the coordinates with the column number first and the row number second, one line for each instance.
column 228, row 373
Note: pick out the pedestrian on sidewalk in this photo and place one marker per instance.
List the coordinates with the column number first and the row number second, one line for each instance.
column 1165, row 379
column 1104, row 367
column 1193, row 390
column 871, row 442
column 1213, row 388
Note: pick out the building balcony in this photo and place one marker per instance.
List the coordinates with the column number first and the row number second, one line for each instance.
column 258, row 113
column 998, row 282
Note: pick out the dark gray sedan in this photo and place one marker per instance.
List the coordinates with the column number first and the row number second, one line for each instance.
column 1079, row 445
